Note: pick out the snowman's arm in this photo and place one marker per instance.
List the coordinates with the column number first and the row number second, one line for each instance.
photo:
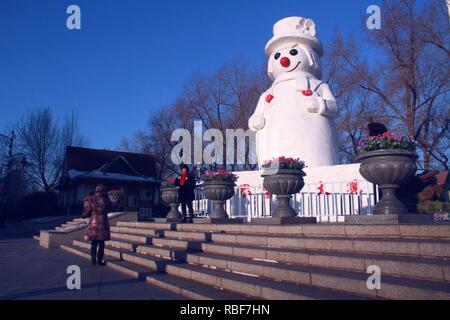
column 328, row 107
column 257, row 121
column 260, row 106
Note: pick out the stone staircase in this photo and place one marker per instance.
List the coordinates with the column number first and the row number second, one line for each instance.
column 237, row 262
column 72, row 223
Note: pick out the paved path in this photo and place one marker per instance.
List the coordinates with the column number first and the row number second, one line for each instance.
column 28, row 271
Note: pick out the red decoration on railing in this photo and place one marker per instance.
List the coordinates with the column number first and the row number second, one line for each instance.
column 352, row 187
column 321, row 189
column 245, row 190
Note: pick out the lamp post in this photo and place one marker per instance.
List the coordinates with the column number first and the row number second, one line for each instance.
column 5, row 180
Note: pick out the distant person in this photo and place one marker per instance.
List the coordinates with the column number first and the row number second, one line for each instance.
column 376, row 128
column 97, row 208
column 186, row 195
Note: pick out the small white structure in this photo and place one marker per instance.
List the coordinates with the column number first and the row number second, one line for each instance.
column 295, row 117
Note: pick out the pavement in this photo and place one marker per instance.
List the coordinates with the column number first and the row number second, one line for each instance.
column 28, row 271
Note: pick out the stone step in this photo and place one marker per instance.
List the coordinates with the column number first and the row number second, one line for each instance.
column 402, row 247
column 74, row 222
column 146, row 225
column 130, row 238
column 191, row 289
column 80, row 252
column 122, row 244
column 408, row 267
column 135, row 231
column 130, row 269
column 148, row 261
column 197, row 236
column 167, row 242
column 177, row 243
column 327, row 279
column 431, row 231
column 155, row 233
column 166, row 252
column 252, row 286
column 109, row 250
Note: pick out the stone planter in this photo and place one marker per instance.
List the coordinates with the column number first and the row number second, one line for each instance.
column 283, row 183
column 218, row 192
column 170, row 196
column 389, row 169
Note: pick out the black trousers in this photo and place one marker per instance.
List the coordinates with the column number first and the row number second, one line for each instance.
column 188, row 204
column 101, row 250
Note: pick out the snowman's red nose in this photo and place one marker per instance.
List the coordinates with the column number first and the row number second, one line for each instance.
column 285, row 62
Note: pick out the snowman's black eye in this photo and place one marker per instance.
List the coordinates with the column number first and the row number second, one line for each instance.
column 293, row 52
column 277, row 55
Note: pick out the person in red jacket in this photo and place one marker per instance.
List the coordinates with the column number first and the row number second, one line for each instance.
column 186, row 195
column 96, row 209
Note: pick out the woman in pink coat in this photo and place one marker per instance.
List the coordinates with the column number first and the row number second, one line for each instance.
column 97, row 208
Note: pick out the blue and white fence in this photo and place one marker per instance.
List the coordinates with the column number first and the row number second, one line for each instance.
column 328, row 202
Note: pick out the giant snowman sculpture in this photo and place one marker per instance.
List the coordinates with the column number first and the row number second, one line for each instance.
column 295, row 117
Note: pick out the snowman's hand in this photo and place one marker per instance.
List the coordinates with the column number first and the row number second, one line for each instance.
column 314, row 104
column 256, row 122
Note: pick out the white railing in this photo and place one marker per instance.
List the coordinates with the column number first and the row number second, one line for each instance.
column 329, row 201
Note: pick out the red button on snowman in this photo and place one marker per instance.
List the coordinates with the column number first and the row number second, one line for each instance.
column 295, row 116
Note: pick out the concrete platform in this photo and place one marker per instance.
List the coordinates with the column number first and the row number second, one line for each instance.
column 389, row 219
column 218, row 221
column 285, row 220
column 168, row 220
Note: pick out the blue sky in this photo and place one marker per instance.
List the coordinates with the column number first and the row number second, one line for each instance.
column 133, row 56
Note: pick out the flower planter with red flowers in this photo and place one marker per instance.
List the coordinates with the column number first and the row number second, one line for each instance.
column 283, row 177
column 169, row 194
column 388, row 161
column 218, row 186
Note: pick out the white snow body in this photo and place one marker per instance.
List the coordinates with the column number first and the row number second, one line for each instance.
column 294, row 124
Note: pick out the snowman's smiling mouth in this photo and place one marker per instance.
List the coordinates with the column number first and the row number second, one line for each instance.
column 295, row 67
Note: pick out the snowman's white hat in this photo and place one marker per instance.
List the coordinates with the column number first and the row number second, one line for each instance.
column 296, row 29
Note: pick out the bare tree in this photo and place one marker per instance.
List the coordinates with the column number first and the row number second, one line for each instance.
column 223, row 100
column 156, row 141
column 357, row 106
column 411, row 74
column 43, row 142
